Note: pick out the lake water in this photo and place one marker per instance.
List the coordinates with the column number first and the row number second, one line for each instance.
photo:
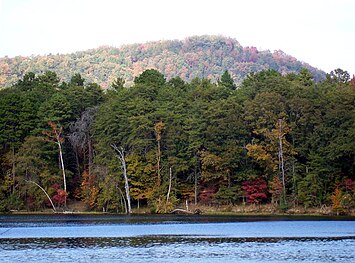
column 171, row 238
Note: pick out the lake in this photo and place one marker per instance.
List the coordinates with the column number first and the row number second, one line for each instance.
column 172, row 238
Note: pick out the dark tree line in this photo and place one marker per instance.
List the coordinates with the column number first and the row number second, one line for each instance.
column 280, row 139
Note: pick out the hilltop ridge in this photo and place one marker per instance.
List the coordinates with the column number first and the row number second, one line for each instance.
column 198, row 56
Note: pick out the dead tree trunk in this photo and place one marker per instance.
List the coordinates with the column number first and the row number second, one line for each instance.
column 158, row 128
column 281, row 160
column 121, row 157
column 44, row 191
column 123, row 201
column 195, row 187
column 169, row 189
column 55, row 136
column 13, row 171
column 91, row 157
column 62, row 165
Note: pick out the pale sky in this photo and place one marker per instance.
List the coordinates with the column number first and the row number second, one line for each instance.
column 318, row 32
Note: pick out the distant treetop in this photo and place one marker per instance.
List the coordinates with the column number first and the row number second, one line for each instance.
column 198, row 56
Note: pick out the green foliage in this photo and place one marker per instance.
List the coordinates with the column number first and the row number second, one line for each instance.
column 221, row 144
column 229, row 195
column 77, row 80
column 199, row 56
column 309, row 190
column 118, row 84
column 227, row 81
column 150, row 77
column 56, row 109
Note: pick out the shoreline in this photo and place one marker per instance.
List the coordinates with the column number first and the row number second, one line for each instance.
column 225, row 210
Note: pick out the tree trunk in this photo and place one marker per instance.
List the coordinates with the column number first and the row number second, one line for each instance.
column 121, row 157
column 281, row 161
column 158, row 164
column 124, row 167
column 158, row 128
column 123, row 201
column 13, row 168
column 195, row 186
column 77, row 162
column 90, row 155
column 63, row 171
column 169, row 189
column 44, row 191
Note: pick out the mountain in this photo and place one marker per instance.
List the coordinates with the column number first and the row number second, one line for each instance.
column 198, row 56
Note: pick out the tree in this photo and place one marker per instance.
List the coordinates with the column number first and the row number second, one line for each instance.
column 310, row 190
column 294, row 134
column 150, row 77
column 55, row 135
column 121, row 157
column 28, row 82
column 212, row 167
column 158, row 128
column 81, row 139
column 56, row 109
column 276, row 189
column 49, row 78
column 118, row 84
column 255, row 190
column 336, row 201
column 281, row 137
column 227, row 81
column 338, row 76
column 142, row 174
column 77, row 80
column 44, row 191
column 305, row 77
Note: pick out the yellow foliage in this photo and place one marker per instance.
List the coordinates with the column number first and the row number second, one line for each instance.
column 8, row 182
column 336, row 201
column 212, row 166
column 158, row 128
column 262, row 156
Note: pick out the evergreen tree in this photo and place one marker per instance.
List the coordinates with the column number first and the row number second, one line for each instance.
column 227, row 81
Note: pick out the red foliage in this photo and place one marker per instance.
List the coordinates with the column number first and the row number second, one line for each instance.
column 255, row 190
column 352, row 82
column 250, row 54
column 207, row 193
column 348, row 184
column 60, row 197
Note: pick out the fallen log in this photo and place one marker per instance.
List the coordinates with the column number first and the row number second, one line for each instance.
column 183, row 211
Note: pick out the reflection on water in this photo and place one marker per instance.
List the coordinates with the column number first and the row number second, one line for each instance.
column 175, row 239
column 79, row 219
column 178, row 249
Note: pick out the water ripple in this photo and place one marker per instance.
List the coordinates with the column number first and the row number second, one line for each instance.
column 178, row 249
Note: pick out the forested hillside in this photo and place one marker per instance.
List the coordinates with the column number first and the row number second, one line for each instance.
column 202, row 57
column 280, row 139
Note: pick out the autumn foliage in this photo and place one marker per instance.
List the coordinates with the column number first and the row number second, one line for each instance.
column 255, row 190
column 199, row 56
column 60, row 196
column 285, row 139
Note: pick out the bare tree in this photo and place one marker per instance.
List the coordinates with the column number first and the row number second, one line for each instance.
column 80, row 138
column 281, row 134
column 120, row 155
column 158, row 128
column 56, row 136
column 44, row 191
column 169, row 189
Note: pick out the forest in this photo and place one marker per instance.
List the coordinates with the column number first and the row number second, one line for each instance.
column 280, row 139
column 193, row 57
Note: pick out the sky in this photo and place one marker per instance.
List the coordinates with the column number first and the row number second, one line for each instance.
column 318, row 32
